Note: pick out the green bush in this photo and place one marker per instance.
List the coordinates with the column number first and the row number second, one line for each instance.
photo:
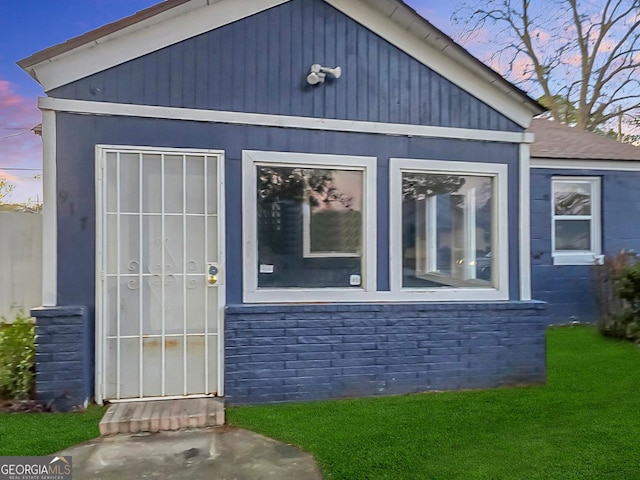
column 17, row 358
column 617, row 292
column 628, row 288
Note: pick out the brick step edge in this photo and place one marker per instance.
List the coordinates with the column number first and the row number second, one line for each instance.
column 147, row 417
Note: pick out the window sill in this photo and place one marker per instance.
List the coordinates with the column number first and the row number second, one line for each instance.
column 336, row 295
column 578, row 259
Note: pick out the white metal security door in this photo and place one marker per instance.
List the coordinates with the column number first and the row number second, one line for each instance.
column 160, row 288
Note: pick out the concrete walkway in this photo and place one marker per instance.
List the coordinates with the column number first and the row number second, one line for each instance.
column 221, row 453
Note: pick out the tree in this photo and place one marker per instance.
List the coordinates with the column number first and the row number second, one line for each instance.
column 423, row 185
column 314, row 185
column 581, row 57
column 5, row 188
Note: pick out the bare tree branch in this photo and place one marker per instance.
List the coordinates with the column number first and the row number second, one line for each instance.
column 582, row 58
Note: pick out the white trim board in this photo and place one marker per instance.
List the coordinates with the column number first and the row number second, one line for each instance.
column 579, row 164
column 49, row 210
column 525, row 223
column 282, row 121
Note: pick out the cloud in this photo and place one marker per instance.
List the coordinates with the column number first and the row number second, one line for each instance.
column 10, row 177
column 541, row 36
column 20, row 148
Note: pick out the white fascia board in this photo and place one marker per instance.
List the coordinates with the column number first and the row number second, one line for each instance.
column 282, row 121
column 460, row 70
column 579, row 164
column 160, row 31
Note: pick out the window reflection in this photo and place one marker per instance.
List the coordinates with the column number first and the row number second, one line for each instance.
column 447, row 230
column 310, row 227
column 572, row 215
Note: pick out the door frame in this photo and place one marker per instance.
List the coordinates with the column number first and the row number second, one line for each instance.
column 99, row 336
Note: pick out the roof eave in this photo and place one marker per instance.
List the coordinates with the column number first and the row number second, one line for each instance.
column 472, row 62
column 93, row 35
column 41, row 65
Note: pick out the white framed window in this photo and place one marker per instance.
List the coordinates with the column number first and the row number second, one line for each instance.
column 309, row 225
column 576, row 224
column 449, row 230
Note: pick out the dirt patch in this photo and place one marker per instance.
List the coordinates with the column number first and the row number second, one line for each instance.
column 13, row 406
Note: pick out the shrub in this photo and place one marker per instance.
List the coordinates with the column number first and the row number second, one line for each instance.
column 17, row 358
column 611, row 307
column 617, row 293
column 628, row 288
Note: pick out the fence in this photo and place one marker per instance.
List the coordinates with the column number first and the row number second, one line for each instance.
column 20, row 262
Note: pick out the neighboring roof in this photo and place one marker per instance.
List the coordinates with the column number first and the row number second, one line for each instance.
column 135, row 36
column 556, row 140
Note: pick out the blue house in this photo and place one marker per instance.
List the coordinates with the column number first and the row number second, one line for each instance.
column 281, row 200
column 584, row 205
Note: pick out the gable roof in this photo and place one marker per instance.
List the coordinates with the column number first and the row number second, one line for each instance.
column 173, row 21
column 555, row 140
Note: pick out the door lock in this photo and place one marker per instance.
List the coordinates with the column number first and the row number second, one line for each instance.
column 212, row 274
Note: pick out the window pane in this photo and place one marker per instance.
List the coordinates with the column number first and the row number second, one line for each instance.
column 573, row 235
column 447, row 230
column 572, row 198
column 335, row 232
column 309, row 227
column 335, row 222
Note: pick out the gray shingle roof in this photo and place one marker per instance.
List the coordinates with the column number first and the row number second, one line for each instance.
column 555, row 140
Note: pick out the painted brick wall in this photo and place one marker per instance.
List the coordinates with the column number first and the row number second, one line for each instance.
column 285, row 353
column 567, row 288
column 63, row 357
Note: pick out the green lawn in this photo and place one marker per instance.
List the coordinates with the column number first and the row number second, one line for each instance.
column 584, row 424
column 45, row 433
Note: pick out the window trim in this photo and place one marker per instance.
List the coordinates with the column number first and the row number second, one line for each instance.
column 579, row 257
column 500, row 230
column 251, row 292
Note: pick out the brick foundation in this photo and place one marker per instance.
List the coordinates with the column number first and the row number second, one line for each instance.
column 279, row 353
column 63, row 357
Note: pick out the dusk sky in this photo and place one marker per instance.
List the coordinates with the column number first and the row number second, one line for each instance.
column 28, row 27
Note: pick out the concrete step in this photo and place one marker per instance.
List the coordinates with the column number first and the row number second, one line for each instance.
column 161, row 415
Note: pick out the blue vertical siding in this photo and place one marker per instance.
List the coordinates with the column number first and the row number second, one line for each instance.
column 259, row 64
column 78, row 135
column 567, row 288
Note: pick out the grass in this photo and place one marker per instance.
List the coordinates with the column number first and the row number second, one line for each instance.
column 585, row 423
column 46, row 433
